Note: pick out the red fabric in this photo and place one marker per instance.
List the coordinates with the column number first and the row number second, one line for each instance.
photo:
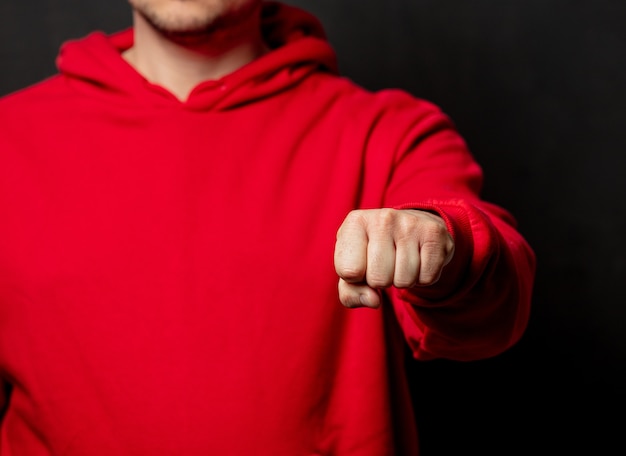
column 166, row 276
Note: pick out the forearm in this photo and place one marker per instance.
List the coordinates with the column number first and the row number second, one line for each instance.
column 481, row 304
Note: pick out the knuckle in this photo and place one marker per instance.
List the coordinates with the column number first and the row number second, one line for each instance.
column 436, row 243
column 430, row 277
column 432, row 254
column 435, row 232
column 386, row 216
column 432, row 247
column 350, row 273
column 406, row 230
column 354, row 216
column 403, row 282
column 430, row 272
column 376, row 280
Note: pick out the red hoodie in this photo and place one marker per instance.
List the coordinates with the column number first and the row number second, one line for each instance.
column 166, row 269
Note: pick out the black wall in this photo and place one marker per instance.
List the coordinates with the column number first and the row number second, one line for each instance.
column 537, row 87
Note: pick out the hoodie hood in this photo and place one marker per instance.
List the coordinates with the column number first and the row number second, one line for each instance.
column 298, row 47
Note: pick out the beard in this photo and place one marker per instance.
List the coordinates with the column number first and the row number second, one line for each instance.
column 189, row 19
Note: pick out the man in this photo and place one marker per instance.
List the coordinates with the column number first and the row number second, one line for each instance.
column 171, row 203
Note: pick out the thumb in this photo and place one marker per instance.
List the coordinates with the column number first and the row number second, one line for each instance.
column 354, row 295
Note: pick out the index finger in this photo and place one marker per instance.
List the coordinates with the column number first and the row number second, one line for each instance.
column 351, row 251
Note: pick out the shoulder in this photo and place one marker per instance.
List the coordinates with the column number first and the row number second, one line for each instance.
column 30, row 98
column 390, row 112
column 348, row 95
column 25, row 110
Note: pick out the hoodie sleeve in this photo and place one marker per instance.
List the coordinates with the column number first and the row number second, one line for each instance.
column 4, row 398
column 480, row 306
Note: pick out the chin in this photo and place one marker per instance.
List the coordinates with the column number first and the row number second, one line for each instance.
column 178, row 17
column 191, row 17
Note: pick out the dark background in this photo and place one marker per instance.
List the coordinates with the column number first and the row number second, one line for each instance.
column 538, row 89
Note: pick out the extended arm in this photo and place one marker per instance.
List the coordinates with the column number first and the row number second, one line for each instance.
column 456, row 270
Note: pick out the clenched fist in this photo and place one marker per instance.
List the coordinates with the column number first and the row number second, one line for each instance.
column 378, row 248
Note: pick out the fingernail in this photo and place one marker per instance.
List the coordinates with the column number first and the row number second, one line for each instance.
column 364, row 301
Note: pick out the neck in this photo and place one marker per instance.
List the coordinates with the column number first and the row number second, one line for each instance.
column 180, row 63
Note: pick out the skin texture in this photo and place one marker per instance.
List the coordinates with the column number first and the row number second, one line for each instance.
column 180, row 43
column 193, row 17
column 378, row 248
